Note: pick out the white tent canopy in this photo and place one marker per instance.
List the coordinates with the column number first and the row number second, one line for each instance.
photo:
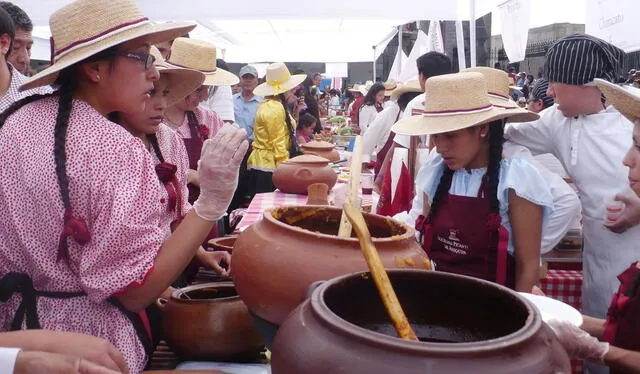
column 288, row 30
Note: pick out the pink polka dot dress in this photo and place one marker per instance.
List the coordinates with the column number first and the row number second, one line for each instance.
column 113, row 186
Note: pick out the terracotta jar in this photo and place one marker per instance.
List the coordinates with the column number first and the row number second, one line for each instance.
column 322, row 149
column 298, row 173
column 465, row 325
column 209, row 322
column 277, row 258
column 224, row 243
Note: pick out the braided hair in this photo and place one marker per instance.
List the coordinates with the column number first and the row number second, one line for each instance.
column 287, row 114
column 496, row 139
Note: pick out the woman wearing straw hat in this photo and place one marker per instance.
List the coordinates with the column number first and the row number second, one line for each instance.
column 358, row 91
column 168, row 150
column 482, row 214
column 274, row 129
column 614, row 340
column 84, row 246
column 371, row 106
column 194, row 123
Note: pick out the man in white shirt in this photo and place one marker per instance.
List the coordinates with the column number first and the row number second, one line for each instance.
column 590, row 140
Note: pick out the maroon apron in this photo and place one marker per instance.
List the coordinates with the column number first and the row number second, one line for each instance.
column 622, row 328
column 194, row 148
column 466, row 238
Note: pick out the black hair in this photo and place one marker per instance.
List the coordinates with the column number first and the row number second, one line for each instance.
column 287, row 115
column 19, row 17
column 306, row 120
column 7, row 27
column 316, row 75
column 496, row 139
column 405, row 98
column 222, row 64
column 432, row 64
column 370, row 98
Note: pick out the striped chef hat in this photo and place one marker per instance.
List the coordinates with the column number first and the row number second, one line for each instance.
column 539, row 92
column 579, row 59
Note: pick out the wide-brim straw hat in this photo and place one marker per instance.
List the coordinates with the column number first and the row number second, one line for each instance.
column 182, row 81
column 453, row 102
column 498, row 86
column 357, row 88
column 626, row 99
column 200, row 55
column 87, row 27
column 278, row 80
column 389, row 86
column 412, row 85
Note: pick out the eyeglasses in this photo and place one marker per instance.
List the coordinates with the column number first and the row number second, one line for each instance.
column 146, row 58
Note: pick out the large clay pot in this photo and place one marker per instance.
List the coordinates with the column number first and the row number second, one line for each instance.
column 466, row 326
column 224, row 243
column 277, row 258
column 321, row 148
column 209, row 322
column 298, row 173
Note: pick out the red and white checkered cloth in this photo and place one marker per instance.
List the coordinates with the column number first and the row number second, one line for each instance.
column 565, row 286
column 264, row 201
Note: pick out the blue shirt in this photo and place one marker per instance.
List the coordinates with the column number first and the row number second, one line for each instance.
column 245, row 112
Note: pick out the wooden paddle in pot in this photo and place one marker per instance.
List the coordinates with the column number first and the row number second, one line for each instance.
column 379, row 274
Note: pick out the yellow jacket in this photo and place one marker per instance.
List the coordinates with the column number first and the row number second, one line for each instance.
column 271, row 138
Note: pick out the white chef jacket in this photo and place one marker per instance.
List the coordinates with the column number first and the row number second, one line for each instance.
column 415, row 103
column 591, row 149
column 566, row 205
column 8, row 358
column 367, row 114
column 379, row 130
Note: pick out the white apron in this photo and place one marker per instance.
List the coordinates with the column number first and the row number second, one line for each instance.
column 591, row 149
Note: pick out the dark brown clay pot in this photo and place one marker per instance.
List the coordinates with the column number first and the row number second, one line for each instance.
column 321, row 148
column 277, row 258
column 209, row 322
column 466, row 326
column 298, row 173
column 224, row 243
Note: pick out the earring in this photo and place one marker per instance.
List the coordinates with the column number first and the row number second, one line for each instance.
column 483, row 135
column 98, row 77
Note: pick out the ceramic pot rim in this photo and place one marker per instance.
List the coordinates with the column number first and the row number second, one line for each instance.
column 268, row 216
column 532, row 324
column 175, row 295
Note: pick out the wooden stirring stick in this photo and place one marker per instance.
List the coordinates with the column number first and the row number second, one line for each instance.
column 353, row 186
column 379, row 274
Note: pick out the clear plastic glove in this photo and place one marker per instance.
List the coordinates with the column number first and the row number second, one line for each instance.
column 218, row 171
column 630, row 215
column 578, row 343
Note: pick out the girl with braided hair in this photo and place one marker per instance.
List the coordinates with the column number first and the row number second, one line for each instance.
column 83, row 245
column 482, row 214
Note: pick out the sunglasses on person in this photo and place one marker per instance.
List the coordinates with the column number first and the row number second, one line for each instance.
column 146, row 59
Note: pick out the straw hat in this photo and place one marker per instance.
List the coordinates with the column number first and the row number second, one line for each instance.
column 389, row 86
column 200, row 55
column 86, row 27
column 412, row 85
column 453, row 102
column 498, row 86
column 626, row 99
column 278, row 80
column 183, row 81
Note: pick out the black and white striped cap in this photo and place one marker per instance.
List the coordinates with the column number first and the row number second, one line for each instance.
column 579, row 59
column 539, row 92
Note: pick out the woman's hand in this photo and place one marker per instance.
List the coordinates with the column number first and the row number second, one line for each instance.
column 578, row 343
column 630, row 215
column 193, row 177
column 214, row 259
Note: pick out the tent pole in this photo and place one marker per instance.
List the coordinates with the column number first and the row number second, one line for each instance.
column 374, row 63
column 472, row 33
column 400, row 46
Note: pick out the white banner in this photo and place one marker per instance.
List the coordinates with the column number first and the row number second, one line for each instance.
column 614, row 21
column 336, row 69
column 515, row 16
column 435, row 37
column 409, row 67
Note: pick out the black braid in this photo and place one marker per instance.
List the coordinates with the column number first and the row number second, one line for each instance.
column 496, row 139
column 60, row 136
column 283, row 101
column 153, row 139
column 441, row 191
column 20, row 103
